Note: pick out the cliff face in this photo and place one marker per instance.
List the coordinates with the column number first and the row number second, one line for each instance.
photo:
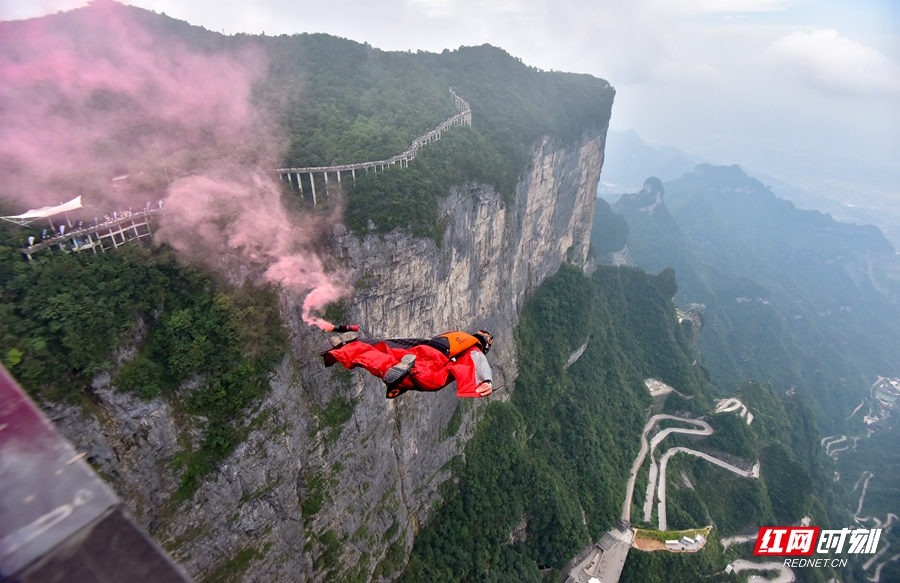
column 331, row 476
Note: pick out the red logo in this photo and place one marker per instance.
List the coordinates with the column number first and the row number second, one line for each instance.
column 786, row 540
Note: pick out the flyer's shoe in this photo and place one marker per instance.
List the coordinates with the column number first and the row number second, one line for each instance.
column 338, row 340
column 399, row 371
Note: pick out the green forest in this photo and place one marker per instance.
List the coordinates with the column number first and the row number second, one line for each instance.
column 556, row 456
column 781, row 300
column 150, row 321
column 791, row 297
column 348, row 102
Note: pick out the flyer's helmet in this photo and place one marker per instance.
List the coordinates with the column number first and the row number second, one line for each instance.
column 484, row 339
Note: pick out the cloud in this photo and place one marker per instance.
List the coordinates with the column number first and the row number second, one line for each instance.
column 455, row 8
column 20, row 10
column 724, row 6
column 699, row 7
column 831, row 63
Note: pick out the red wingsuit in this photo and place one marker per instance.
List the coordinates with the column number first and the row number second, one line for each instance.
column 433, row 371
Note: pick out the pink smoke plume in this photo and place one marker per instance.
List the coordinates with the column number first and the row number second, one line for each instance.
column 93, row 94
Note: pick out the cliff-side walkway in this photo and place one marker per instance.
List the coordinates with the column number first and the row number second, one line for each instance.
column 293, row 175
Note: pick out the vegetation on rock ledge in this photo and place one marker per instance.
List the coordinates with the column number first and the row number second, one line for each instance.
column 155, row 324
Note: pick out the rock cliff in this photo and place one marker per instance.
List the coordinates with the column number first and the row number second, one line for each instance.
column 331, row 477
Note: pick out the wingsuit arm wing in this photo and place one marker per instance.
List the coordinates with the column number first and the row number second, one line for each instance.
column 482, row 368
column 470, row 370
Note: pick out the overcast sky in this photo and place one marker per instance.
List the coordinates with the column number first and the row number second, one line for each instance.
column 755, row 82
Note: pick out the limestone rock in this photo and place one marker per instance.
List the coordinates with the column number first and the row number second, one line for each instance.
column 301, row 498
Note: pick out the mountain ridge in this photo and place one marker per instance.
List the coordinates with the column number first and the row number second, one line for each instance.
column 740, row 250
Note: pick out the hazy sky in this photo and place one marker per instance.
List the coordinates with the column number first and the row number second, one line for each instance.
column 756, row 82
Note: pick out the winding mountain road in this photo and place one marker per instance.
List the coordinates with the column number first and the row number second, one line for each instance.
column 753, row 473
column 705, row 429
column 657, row 474
column 785, row 576
column 733, row 404
column 880, row 559
column 738, row 539
column 886, row 525
column 645, row 448
column 867, row 475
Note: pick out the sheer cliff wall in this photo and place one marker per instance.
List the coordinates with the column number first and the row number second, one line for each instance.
column 332, row 478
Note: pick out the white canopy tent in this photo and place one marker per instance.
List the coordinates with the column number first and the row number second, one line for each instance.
column 44, row 212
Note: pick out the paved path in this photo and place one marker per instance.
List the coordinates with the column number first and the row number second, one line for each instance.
column 785, row 576
column 732, row 404
column 744, row 538
column 877, row 576
column 753, row 473
column 858, row 407
column 573, row 358
column 879, row 560
column 705, row 429
column 867, row 475
column 832, row 453
column 464, row 117
column 832, row 439
column 891, row 518
column 722, row 406
column 645, row 447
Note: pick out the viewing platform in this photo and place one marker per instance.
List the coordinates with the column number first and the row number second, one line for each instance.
column 108, row 233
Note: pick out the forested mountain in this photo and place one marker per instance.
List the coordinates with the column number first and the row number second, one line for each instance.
column 791, row 297
column 213, row 417
column 545, row 471
column 794, row 300
column 201, row 398
column 344, row 102
column 554, row 459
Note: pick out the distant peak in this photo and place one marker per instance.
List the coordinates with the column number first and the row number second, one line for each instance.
column 645, row 200
column 653, row 185
column 725, row 171
column 630, row 133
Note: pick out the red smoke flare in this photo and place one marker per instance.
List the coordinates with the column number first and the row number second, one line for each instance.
column 89, row 95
